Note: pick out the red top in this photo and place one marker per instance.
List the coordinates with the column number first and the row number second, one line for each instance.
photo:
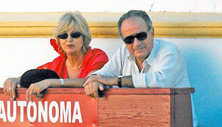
column 94, row 59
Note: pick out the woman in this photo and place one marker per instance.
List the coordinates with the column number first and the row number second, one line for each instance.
column 77, row 59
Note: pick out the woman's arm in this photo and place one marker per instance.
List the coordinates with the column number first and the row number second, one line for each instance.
column 37, row 88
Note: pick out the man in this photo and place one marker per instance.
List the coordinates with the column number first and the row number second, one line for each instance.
column 142, row 62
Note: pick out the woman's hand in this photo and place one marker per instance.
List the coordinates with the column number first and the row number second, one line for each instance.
column 10, row 87
column 36, row 88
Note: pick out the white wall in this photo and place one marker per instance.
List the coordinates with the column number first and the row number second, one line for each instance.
column 111, row 5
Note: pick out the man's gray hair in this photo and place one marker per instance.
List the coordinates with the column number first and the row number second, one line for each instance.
column 135, row 13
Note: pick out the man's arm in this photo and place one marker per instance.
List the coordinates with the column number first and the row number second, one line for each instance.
column 97, row 82
column 126, row 81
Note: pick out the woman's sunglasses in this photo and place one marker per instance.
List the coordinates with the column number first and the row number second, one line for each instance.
column 73, row 35
column 140, row 36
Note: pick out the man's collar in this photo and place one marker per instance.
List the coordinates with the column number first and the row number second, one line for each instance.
column 131, row 57
column 150, row 59
column 152, row 55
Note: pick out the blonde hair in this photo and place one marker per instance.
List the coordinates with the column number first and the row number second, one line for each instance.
column 74, row 20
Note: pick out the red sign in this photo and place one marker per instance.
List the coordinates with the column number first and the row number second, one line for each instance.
column 58, row 109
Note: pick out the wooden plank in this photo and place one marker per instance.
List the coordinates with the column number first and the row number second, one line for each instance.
column 182, row 111
column 117, row 91
column 134, row 111
column 149, row 91
column 53, row 91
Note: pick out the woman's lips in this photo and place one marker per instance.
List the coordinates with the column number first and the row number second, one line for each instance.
column 69, row 46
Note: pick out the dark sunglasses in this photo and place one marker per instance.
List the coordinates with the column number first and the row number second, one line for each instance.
column 140, row 36
column 73, row 35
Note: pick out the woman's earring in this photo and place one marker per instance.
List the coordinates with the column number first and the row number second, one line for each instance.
column 83, row 49
column 60, row 49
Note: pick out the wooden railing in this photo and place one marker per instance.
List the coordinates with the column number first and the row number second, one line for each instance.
column 66, row 107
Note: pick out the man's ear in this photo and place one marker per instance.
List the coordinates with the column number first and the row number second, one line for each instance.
column 153, row 32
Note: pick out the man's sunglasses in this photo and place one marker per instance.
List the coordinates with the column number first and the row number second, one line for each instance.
column 140, row 36
column 73, row 35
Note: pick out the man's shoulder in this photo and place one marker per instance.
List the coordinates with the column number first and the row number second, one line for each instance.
column 122, row 51
column 121, row 54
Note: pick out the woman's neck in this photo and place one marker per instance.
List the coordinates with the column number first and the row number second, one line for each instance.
column 75, row 61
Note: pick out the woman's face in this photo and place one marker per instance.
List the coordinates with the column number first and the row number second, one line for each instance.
column 73, row 43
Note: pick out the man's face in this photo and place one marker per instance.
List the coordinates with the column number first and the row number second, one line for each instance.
column 140, row 49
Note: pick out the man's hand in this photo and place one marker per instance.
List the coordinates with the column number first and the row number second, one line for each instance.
column 95, row 83
column 10, row 87
column 91, row 88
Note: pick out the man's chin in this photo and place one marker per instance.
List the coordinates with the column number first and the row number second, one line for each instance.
column 141, row 56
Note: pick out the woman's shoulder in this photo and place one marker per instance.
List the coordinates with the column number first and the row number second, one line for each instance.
column 96, row 51
column 96, row 54
column 55, row 62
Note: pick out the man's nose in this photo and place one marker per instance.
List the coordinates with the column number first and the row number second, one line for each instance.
column 136, row 42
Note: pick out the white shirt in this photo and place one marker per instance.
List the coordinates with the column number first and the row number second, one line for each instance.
column 164, row 67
